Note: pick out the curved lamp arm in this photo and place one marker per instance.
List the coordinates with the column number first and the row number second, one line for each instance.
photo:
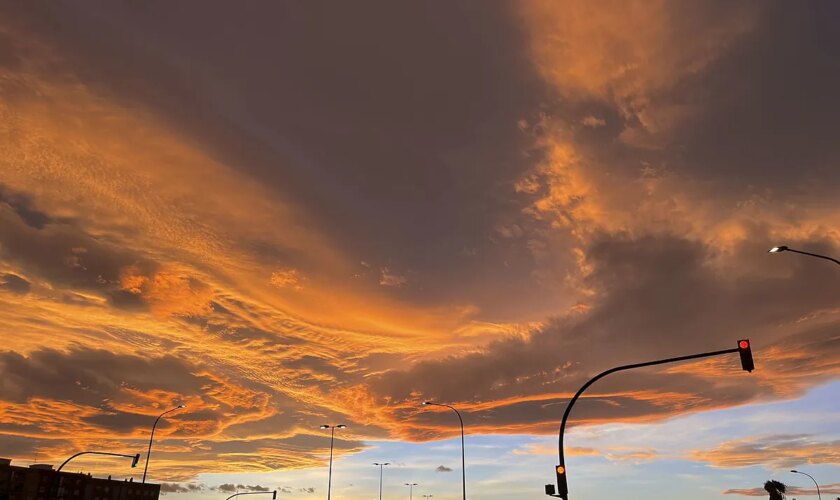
column 812, row 479
column 463, row 457
column 152, row 437
column 783, row 248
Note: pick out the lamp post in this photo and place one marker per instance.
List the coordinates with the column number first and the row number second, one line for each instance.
column 783, row 248
column 381, row 466
column 332, row 440
column 152, row 437
column 812, row 479
column 272, row 493
column 428, row 496
column 411, row 490
column 463, row 459
column 134, row 458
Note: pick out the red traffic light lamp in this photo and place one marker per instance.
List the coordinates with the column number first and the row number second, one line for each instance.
column 745, row 351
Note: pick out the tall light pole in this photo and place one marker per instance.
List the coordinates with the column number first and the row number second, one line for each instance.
column 381, row 466
column 272, row 493
column 812, row 479
column 332, row 441
column 783, row 248
column 134, row 458
column 463, row 459
column 152, row 437
column 411, row 490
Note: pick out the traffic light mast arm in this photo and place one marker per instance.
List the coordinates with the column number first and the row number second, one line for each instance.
column 618, row 369
column 134, row 458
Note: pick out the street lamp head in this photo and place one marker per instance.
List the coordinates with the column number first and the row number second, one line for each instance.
column 325, row 426
column 427, row 403
column 780, row 248
column 795, row 471
column 181, row 406
column 341, row 426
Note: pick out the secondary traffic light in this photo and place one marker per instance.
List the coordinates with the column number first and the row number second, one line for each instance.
column 745, row 351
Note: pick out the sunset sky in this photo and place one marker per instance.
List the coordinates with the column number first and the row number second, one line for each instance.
column 284, row 214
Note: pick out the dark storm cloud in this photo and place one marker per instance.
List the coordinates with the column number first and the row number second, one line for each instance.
column 14, row 284
column 91, row 377
column 771, row 103
column 63, row 254
column 401, row 142
column 12, row 446
column 24, row 208
column 760, row 114
column 661, row 297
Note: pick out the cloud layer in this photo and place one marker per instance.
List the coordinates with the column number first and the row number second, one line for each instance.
column 480, row 206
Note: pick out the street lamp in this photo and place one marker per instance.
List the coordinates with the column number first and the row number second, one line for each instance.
column 812, row 479
column 134, row 458
column 783, row 248
column 152, row 437
column 428, row 496
column 273, row 494
column 332, row 440
column 463, row 459
column 381, row 466
column 411, row 490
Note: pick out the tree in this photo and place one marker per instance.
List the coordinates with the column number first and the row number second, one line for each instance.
column 776, row 489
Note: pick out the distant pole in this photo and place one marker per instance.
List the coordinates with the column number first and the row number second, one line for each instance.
column 134, row 458
column 272, row 493
column 332, row 440
column 812, row 479
column 463, row 458
column 152, row 437
column 783, row 248
column 381, row 466
column 411, row 490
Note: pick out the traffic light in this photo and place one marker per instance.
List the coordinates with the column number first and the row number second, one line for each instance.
column 562, row 486
column 745, row 351
column 135, row 460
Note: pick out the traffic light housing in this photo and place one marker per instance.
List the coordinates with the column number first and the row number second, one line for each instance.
column 745, row 351
column 562, row 486
column 135, row 460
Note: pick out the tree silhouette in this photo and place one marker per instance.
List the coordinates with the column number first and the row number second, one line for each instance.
column 776, row 489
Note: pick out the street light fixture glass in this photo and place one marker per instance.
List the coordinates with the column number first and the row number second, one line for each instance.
column 780, row 248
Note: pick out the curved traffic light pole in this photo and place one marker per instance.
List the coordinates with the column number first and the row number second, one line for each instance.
column 562, row 487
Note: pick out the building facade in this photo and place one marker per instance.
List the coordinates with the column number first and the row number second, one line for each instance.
column 41, row 482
